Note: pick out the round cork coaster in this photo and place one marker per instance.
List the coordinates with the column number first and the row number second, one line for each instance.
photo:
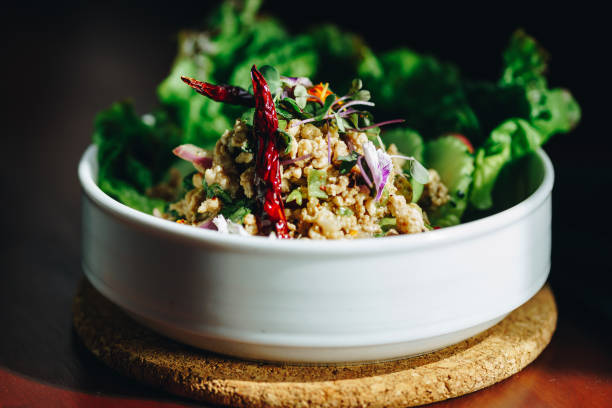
column 473, row 364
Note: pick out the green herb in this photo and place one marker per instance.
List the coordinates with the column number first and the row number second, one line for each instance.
column 387, row 223
column 284, row 113
column 236, row 212
column 301, row 96
column 295, row 195
column 356, row 85
column 316, row 180
column 354, row 119
column 188, row 181
column 363, row 95
column 345, row 212
column 293, row 105
column 339, row 123
column 356, row 92
column 329, row 101
column 312, row 108
column 373, row 133
column 286, row 139
column 418, row 172
column 348, row 162
column 215, row 190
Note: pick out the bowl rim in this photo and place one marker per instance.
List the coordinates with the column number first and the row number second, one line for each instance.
column 87, row 173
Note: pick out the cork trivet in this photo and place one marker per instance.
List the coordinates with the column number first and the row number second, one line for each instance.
column 473, row 364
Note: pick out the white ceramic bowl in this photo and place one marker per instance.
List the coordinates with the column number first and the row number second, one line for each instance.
column 319, row 301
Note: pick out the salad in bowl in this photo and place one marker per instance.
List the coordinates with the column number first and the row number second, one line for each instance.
column 321, row 171
column 431, row 161
column 390, row 237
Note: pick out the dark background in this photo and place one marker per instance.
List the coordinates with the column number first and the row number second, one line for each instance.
column 64, row 61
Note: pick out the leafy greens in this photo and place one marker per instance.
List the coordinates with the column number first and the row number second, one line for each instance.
column 504, row 120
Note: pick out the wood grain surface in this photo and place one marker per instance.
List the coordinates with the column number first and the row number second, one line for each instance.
column 65, row 61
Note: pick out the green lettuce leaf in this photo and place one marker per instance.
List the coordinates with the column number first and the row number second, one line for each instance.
column 512, row 140
column 525, row 62
column 133, row 154
column 551, row 111
column 426, row 92
column 528, row 111
column 430, row 94
column 450, row 157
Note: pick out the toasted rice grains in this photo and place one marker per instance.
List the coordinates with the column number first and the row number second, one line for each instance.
column 349, row 211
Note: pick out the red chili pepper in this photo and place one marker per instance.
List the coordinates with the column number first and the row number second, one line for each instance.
column 267, row 165
column 222, row 93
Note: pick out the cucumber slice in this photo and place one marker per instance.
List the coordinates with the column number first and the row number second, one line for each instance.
column 417, row 189
column 450, row 157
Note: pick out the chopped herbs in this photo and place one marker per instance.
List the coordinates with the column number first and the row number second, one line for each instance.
column 188, row 181
column 387, row 223
column 471, row 129
column 295, row 195
column 345, row 212
column 237, row 212
column 215, row 190
column 286, row 137
column 348, row 162
column 316, row 183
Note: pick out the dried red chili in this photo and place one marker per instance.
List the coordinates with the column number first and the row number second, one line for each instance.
column 267, row 165
column 222, row 93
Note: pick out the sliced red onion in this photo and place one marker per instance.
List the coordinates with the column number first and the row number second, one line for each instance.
column 297, row 159
column 351, row 103
column 194, row 154
column 401, row 156
column 349, row 144
column 208, row 225
column 340, row 100
column 387, row 122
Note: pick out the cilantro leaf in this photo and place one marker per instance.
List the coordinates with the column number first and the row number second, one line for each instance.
column 295, row 195
column 348, row 162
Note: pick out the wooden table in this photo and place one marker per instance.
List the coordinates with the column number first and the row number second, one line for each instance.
column 64, row 64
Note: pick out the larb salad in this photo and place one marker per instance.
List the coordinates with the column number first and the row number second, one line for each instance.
column 288, row 156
